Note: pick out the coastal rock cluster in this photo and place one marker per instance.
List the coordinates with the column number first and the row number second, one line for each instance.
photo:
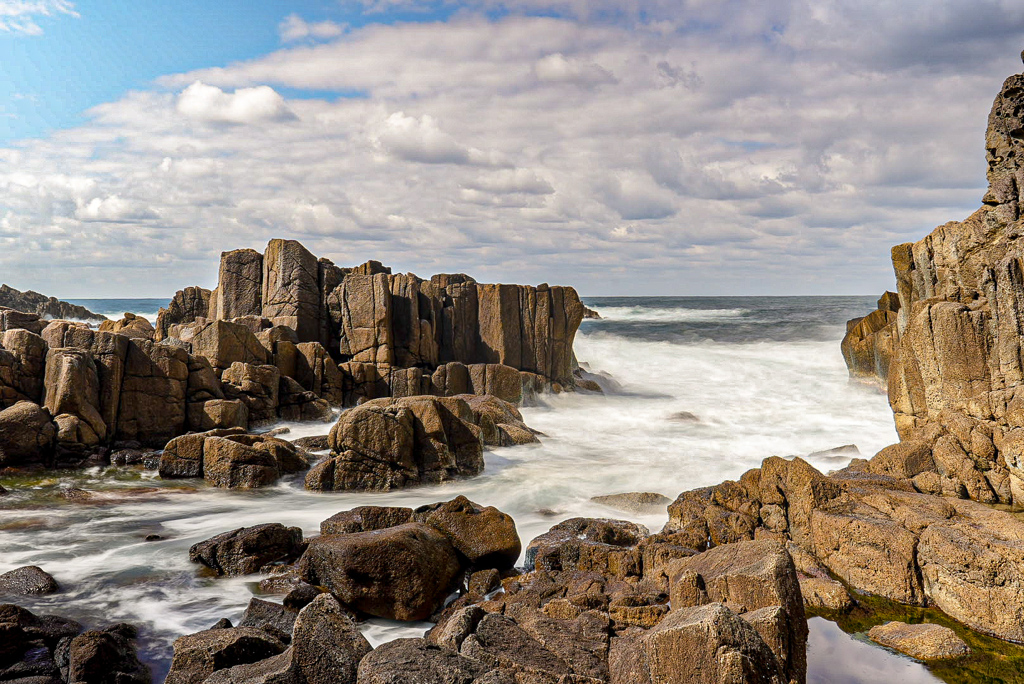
column 286, row 336
column 393, row 334
column 950, row 352
column 600, row 601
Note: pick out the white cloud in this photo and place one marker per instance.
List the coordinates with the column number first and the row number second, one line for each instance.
column 294, row 28
column 419, row 139
column 244, row 106
column 732, row 146
column 20, row 16
column 558, row 68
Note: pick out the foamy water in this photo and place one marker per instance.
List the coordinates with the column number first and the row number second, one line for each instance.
column 784, row 394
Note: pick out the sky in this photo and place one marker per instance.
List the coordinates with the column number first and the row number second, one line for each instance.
column 625, row 147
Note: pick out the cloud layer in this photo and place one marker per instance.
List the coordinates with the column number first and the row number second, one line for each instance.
column 700, row 147
column 20, row 17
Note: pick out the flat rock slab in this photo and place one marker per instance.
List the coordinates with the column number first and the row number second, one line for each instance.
column 924, row 641
column 635, row 502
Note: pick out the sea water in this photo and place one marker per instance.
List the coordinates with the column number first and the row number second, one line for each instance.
column 761, row 376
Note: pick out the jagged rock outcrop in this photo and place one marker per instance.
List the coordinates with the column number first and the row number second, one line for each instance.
column 870, row 341
column 43, row 306
column 392, row 334
column 956, row 376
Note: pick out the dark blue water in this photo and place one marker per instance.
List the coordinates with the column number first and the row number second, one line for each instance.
column 684, row 320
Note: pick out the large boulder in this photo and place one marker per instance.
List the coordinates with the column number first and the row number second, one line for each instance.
column 22, row 367
column 104, row 656
column 391, row 443
column 230, row 464
column 185, row 307
column 197, row 656
column 696, row 645
column 153, row 393
column 589, row 544
column 327, row 645
column 224, row 343
column 258, row 386
column 72, row 396
column 404, row 661
column 749, row 577
column 401, row 573
column 248, row 549
column 27, row 434
column 130, row 325
column 484, row 536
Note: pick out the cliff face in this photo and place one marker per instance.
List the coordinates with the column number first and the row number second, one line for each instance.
column 956, row 378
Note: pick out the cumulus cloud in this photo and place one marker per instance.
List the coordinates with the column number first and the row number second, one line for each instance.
column 21, row 17
column 244, row 106
column 712, row 146
column 294, row 28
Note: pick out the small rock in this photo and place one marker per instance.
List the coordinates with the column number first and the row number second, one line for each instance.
column 641, row 503
column 154, row 537
column 3, row 491
column 223, row 623
column 822, row 593
column 923, row 641
column 28, row 580
column 277, row 431
column 684, row 417
column 847, row 450
column 315, row 443
column 247, row 549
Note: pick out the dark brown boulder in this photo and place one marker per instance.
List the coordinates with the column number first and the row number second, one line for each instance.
column 229, row 464
column 197, row 656
column 484, row 536
column 366, row 519
column 247, row 549
column 105, row 657
column 153, row 393
column 28, row 580
column 696, row 645
column 404, row 661
column 749, row 576
column 401, row 573
column 327, row 644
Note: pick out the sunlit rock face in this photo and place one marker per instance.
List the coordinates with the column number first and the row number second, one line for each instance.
column 956, row 370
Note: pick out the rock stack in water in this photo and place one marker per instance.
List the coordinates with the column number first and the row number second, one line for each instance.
column 393, row 334
column 952, row 349
column 284, row 336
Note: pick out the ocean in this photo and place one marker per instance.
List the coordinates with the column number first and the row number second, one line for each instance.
column 762, row 376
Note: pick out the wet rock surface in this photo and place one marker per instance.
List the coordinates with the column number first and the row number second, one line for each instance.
column 923, row 641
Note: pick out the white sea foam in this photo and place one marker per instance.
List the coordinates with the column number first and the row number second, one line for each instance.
column 752, row 400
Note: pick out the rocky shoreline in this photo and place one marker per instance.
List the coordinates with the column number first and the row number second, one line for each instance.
column 430, row 373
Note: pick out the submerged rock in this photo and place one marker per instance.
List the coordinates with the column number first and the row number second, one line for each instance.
column 641, row 503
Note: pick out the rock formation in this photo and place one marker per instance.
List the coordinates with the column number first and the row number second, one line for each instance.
column 600, row 602
column 955, row 372
column 285, row 336
column 393, row 334
column 45, row 307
